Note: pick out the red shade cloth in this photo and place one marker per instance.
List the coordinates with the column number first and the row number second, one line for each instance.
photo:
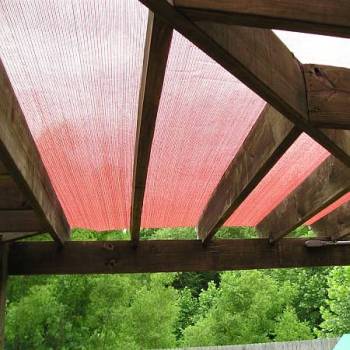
column 76, row 66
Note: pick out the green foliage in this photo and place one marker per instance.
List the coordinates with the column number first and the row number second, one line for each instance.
column 289, row 327
column 336, row 313
column 36, row 321
column 147, row 311
column 245, row 309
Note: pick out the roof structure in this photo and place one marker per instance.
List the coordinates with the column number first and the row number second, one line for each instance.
column 166, row 113
column 158, row 113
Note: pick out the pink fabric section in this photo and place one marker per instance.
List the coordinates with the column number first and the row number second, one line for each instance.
column 330, row 208
column 76, row 71
column 295, row 165
column 204, row 116
column 76, row 66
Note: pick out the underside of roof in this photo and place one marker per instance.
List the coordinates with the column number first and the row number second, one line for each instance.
column 76, row 73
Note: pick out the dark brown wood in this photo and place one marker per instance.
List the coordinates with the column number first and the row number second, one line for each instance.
column 3, row 169
column 20, row 221
column 335, row 225
column 269, row 138
column 312, row 16
column 21, row 157
column 260, row 60
column 14, row 236
column 158, row 41
column 3, row 282
column 328, row 93
column 326, row 184
column 10, row 195
column 28, row 258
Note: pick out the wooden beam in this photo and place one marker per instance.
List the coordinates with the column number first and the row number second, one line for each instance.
column 21, row 221
column 260, row 60
column 10, row 195
column 326, row 184
column 269, row 138
column 328, row 93
column 21, row 157
column 314, row 16
column 335, row 225
column 3, row 282
column 28, row 258
column 14, row 236
column 158, row 41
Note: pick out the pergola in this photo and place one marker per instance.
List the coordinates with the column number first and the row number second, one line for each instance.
column 300, row 98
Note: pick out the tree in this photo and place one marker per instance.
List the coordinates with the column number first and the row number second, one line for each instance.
column 336, row 313
column 288, row 327
column 245, row 309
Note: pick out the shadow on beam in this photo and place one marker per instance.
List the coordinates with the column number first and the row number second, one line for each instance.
column 29, row 258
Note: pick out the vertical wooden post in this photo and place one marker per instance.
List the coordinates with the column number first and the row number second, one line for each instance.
column 3, row 281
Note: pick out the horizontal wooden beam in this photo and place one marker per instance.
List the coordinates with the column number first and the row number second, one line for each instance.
column 325, row 185
column 260, row 60
column 328, row 93
column 28, row 258
column 313, row 16
column 14, row 236
column 336, row 224
column 157, row 46
column 267, row 141
column 20, row 221
column 21, row 157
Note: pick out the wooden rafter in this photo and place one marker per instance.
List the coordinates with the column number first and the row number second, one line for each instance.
column 20, row 155
column 312, row 16
column 261, row 61
column 28, row 258
column 158, row 41
column 269, row 138
column 336, row 224
column 328, row 93
column 326, row 184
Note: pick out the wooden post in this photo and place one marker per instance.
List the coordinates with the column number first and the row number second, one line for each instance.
column 3, row 280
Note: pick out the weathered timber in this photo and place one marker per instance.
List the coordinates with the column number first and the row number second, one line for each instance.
column 3, row 282
column 312, row 16
column 267, row 141
column 335, row 225
column 14, row 236
column 21, row 157
column 28, row 258
column 3, row 169
column 158, row 41
column 10, row 195
column 326, row 184
column 260, row 60
column 328, row 94
column 21, row 221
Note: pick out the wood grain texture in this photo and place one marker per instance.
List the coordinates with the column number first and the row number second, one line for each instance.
column 21, row 157
column 158, row 41
column 328, row 94
column 27, row 258
column 326, row 184
column 3, row 282
column 336, row 224
column 260, row 60
column 14, row 236
column 313, row 16
column 21, row 221
column 10, row 195
column 267, row 141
